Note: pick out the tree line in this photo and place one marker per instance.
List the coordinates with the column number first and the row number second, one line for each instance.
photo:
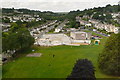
column 17, row 38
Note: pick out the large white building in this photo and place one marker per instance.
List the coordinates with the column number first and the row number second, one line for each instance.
column 53, row 40
column 80, row 37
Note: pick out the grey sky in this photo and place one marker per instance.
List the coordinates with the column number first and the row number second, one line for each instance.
column 56, row 5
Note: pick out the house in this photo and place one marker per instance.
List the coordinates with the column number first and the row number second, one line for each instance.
column 107, row 27
column 73, row 29
column 116, row 30
column 16, row 18
column 86, row 16
column 89, row 25
column 114, row 15
column 36, row 15
column 17, row 11
column 77, row 18
column 57, row 29
column 5, row 27
column 82, row 22
column 110, row 28
column 94, row 30
column 102, row 26
column 26, row 15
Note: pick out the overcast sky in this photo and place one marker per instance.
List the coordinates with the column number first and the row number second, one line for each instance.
column 57, row 5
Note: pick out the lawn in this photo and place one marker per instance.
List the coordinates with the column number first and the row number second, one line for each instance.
column 48, row 67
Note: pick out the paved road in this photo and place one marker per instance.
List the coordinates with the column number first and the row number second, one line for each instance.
column 52, row 26
column 62, row 25
column 97, row 32
column 47, row 27
column 103, row 34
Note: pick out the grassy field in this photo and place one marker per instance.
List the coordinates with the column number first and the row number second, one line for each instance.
column 48, row 67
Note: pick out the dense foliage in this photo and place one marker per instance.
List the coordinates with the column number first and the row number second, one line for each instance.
column 82, row 70
column 18, row 38
column 101, row 16
column 72, row 20
column 109, row 59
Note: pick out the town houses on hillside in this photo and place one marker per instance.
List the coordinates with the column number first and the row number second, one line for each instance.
column 5, row 27
column 97, row 24
column 22, row 18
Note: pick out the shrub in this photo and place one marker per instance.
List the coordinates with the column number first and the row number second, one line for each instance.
column 83, row 70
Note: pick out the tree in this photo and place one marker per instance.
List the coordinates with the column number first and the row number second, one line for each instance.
column 72, row 23
column 109, row 59
column 82, row 70
column 17, row 39
column 4, row 41
column 14, row 27
column 77, row 25
column 9, row 43
column 24, row 38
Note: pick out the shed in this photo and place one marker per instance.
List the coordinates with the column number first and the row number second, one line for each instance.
column 97, row 42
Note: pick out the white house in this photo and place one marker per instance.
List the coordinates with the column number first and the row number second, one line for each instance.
column 94, row 30
column 116, row 30
column 57, row 30
column 88, row 25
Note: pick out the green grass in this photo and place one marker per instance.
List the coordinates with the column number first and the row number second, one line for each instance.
column 61, row 64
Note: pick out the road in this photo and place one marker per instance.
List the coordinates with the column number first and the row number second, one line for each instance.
column 103, row 34
column 44, row 28
column 60, row 27
column 97, row 32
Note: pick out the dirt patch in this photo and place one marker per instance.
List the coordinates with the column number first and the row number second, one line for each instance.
column 34, row 55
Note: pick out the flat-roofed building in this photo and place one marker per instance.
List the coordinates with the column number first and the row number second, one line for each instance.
column 80, row 35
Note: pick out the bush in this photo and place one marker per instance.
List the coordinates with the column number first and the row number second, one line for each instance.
column 83, row 70
column 109, row 59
